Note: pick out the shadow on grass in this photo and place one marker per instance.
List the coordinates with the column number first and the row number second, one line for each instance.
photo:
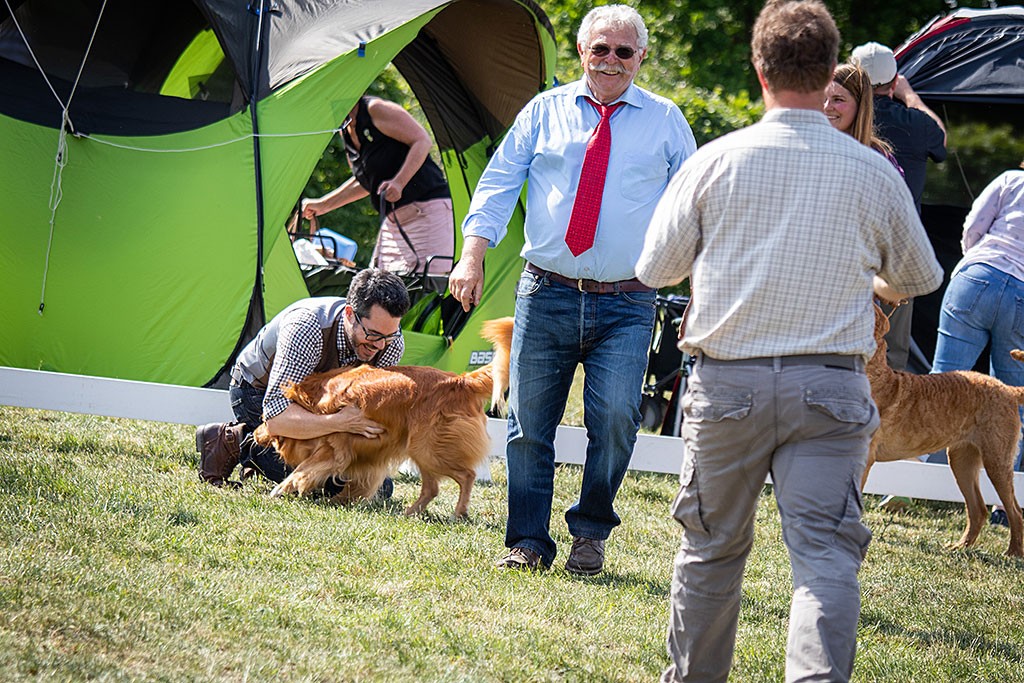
column 655, row 588
column 1001, row 561
column 964, row 640
column 939, row 544
column 395, row 507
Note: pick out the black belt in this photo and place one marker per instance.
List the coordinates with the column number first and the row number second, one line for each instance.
column 828, row 360
column 590, row 286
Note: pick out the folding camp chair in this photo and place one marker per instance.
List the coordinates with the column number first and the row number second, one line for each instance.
column 667, row 369
column 333, row 275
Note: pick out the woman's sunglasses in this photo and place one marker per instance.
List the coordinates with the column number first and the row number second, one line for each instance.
column 602, row 50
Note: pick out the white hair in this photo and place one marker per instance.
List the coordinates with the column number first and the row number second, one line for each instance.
column 615, row 15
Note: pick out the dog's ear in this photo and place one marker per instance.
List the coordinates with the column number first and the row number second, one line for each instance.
column 305, row 393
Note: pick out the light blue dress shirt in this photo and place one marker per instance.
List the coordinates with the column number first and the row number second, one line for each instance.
column 545, row 148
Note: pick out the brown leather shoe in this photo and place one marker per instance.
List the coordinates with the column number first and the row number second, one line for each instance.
column 586, row 557
column 217, row 444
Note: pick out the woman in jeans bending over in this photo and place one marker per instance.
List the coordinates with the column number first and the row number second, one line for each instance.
column 984, row 301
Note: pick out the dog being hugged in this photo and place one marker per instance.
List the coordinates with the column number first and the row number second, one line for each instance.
column 432, row 417
column 973, row 416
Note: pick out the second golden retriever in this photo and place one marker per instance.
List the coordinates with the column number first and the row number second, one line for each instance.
column 432, row 417
column 971, row 415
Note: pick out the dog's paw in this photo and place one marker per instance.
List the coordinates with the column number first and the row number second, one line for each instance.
column 282, row 489
column 262, row 435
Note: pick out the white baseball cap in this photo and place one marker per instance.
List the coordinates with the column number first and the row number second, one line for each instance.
column 877, row 61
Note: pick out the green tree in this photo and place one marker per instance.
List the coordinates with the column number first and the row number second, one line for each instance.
column 978, row 151
column 706, row 43
column 700, row 58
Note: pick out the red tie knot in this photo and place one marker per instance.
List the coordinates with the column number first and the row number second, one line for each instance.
column 605, row 110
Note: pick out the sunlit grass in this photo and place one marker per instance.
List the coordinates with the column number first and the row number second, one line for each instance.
column 117, row 564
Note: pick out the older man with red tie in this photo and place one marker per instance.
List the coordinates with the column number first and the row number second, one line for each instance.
column 596, row 155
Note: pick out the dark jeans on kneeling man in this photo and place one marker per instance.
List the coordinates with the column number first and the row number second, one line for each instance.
column 247, row 405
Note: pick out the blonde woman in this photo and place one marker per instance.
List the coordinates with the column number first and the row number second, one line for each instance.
column 850, row 109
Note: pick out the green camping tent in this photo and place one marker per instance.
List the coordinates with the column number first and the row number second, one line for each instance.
column 150, row 154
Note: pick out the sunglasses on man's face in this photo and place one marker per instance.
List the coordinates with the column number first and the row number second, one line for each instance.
column 602, row 50
column 373, row 336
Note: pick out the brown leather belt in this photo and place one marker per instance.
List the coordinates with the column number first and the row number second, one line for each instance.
column 590, row 286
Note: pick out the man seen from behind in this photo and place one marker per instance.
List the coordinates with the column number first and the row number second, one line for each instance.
column 781, row 228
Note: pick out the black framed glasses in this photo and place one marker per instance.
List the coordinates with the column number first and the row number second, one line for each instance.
column 373, row 335
column 602, row 50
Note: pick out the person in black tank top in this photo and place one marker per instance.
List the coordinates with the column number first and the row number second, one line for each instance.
column 389, row 154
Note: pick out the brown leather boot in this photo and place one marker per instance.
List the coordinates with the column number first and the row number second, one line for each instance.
column 217, row 444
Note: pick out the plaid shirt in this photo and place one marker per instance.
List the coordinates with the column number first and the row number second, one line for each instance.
column 781, row 227
column 299, row 350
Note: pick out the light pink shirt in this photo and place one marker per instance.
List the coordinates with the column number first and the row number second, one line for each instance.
column 994, row 229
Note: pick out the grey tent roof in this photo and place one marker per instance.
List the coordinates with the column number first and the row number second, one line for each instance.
column 137, row 43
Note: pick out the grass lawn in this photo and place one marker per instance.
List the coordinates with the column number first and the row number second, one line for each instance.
column 116, row 564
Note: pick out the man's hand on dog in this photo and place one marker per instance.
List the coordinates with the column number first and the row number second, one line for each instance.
column 351, row 419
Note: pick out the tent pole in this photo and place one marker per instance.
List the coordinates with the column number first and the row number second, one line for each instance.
column 256, row 310
column 255, row 317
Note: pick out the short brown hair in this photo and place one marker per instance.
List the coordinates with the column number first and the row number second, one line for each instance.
column 795, row 45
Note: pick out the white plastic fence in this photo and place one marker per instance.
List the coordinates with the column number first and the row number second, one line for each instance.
column 189, row 405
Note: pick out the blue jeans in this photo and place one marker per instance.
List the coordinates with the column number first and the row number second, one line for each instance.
column 982, row 304
column 556, row 329
column 247, row 405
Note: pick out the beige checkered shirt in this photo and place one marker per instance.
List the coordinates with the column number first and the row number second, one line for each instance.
column 780, row 227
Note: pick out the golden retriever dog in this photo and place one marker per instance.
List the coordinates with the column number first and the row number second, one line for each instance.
column 971, row 415
column 432, row 417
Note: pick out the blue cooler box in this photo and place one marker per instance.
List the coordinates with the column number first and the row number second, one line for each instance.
column 343, row 247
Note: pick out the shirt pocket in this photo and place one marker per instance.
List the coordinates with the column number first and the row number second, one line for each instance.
column 643, row 177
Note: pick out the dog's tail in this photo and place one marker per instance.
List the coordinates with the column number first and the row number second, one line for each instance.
column 493, row 377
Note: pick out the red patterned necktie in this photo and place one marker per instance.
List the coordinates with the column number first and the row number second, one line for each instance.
column 587, row 207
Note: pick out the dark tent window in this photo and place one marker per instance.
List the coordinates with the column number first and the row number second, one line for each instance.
column 152, row 67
